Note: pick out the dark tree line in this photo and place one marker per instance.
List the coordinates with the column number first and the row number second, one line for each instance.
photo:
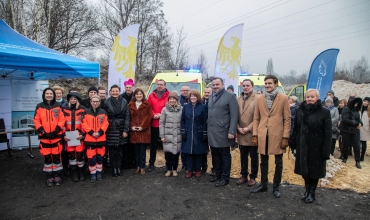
column 78, row 27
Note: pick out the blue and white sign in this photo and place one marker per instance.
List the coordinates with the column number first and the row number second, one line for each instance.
column 322, row 72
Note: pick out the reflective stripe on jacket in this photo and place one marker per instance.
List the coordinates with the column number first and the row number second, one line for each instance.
column 47, row 118
column 95, row 121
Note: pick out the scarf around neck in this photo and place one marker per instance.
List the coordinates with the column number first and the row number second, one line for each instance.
column 270, row 97
column 116, row 104
column 160, row 93
column 173, row 108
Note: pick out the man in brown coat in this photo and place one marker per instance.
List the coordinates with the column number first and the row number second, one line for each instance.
column 246, row 103
column 271, row 130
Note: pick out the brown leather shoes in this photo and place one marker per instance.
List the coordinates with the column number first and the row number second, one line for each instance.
column 241, row 181
column 251, row 182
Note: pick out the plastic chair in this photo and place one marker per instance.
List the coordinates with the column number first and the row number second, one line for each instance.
column 4, row 137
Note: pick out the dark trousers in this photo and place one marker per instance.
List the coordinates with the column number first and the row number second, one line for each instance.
column 351, row 140
column 155, row 142
column 172, row 160
column 333, row 142
column 65, row 158
column 140, row 155
column 222, row 161
column 184, row 160
column 194, row 162
column 363, row 150
column 265, row 169
column 204, row 160
column 128, row 156
column 115, row 153
column 252, row 151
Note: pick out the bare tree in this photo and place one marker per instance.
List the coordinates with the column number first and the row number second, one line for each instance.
column 357, row 71
column 181, row 50
column 69, row 26
column 270, row 67
column 117, row 14
column 202, row 64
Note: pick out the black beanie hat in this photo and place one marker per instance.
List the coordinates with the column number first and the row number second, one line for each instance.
column 367, row 99
column 92, row 88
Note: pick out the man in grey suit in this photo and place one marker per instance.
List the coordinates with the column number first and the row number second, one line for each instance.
column 222, row 124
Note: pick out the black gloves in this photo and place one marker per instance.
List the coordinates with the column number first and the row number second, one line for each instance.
column 204, row 138
column 40, row 130
column 183, row 136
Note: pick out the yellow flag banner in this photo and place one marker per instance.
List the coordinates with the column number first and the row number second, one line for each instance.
column 122, row 58
column 228, row 57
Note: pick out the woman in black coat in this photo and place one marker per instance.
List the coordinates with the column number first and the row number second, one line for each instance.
column 350, row 129
column 311, row 138
column 119, row 124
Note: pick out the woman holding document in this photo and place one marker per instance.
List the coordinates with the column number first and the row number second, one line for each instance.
column 73, row 114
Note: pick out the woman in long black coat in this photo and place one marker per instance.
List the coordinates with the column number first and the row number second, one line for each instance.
column 119, row 124
column 350, row 129
column 311, row 138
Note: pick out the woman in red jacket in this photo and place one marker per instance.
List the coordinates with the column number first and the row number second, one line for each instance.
column 95, row 124
column 49, row 122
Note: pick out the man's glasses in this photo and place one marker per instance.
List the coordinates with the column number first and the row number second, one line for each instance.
column 95, row 101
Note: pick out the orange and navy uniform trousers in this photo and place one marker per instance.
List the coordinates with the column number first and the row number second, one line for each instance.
column 74, row 117
column 49, row 121
column 95, row 122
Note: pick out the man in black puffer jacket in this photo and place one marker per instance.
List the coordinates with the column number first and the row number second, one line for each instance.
column 350, row 129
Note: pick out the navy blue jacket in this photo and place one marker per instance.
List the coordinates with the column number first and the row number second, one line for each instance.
column 183, row 100
column 194, row 126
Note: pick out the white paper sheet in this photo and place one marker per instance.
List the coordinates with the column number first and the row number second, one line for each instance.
column 73, row 135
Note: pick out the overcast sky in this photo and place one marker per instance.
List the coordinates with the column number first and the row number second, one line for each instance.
column 291, row 32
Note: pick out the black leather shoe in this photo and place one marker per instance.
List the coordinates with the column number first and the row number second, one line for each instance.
column 260, row 188
column 114, row 173
column 119, row 173
column 311, row 196
column 344, row 160
column 277, row 193
column 214, row 179
column 221, row 183
column 305, row 193
column 358, row 165
column 150, row 168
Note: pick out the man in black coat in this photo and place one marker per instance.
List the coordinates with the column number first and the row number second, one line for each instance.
column 91, row 92
column 205, row 100
column 330, row 94
column 128, row 158
column 183, row 100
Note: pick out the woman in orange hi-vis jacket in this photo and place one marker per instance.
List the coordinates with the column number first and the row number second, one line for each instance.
column 74, row 113
column 95, row 124
column 49, row 121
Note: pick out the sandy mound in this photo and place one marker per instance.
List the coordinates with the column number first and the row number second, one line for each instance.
column 343, row 88
column 339, row 175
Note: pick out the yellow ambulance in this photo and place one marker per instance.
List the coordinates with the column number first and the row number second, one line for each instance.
column 175, row 79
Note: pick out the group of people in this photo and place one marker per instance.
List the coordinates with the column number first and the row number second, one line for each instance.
column 188, row 125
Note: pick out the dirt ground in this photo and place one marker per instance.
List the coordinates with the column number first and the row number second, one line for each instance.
column 154, row 196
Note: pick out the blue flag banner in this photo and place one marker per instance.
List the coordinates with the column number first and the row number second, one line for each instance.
column 322, row 71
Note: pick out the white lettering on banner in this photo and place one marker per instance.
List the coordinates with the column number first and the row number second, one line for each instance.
column 26, row 94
